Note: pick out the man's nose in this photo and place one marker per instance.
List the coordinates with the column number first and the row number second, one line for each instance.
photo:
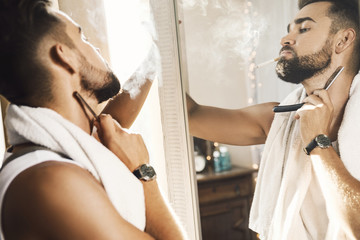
column 287, row 40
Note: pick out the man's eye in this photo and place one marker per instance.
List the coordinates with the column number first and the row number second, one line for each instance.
column 302, row 30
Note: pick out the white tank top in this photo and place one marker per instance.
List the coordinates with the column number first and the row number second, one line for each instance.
column 18, row 165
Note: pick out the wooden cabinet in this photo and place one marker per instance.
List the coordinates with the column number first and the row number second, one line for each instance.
column 225, row 200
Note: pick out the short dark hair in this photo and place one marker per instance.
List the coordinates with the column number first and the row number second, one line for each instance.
column 344, row 14
column 23, row 24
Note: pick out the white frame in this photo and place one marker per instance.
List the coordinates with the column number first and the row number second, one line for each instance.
column 181, row 173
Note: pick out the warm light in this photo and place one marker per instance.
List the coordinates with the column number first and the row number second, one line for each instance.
column 129, row 40
column 216, row 144
column 208, row 157
column 255, row 166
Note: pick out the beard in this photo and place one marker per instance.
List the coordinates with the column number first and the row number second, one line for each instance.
column 297, row 69
column 100, row 83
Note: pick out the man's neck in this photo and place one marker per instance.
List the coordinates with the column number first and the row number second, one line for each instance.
column 338, row 92
column 69, row 107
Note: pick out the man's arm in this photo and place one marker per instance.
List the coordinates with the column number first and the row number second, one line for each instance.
column 161, row 222
column 246, row 126
column 340, row 189
column 56, row 200
column 124, row 109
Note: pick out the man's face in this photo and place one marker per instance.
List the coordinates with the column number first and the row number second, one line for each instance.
column 307, row 49
column 90, row 76
column 96, row 77
column 297, row 69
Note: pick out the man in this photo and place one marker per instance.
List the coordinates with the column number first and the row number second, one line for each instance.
column 72, row 186
column 312, row 195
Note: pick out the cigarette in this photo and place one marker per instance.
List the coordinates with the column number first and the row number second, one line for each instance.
column 267, row 62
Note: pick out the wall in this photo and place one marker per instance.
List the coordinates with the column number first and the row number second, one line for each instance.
column 89, row 14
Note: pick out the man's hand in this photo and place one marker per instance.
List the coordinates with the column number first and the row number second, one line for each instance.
column 128, row 147
column 315, row 116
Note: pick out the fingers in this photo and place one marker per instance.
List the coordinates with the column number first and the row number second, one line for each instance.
column 128, row 147
column 318, row 100
column 106, row 127
column 314, row 100
column 324, row 96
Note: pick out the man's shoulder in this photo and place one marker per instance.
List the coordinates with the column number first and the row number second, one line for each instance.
column 44, row 193
column 48, row 179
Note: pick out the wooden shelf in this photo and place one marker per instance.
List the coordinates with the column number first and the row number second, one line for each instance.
column 225, row 200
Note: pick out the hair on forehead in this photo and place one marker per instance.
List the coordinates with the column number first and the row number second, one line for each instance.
column 343, row 13
column 343, row 3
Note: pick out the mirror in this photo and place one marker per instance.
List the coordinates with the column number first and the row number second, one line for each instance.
column 223, row 42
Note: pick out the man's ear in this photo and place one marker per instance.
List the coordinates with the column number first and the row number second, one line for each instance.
column 63, row 57
column 344, row 39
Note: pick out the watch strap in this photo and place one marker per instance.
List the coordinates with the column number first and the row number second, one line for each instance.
column 313, row 144
column 321, row 141
column 137, row 173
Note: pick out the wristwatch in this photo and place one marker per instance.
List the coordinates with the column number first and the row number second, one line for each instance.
column 321, row 141
column 145, row 172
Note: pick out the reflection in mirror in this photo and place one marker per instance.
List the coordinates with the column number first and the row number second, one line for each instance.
column 224, row 41
column 231, row 50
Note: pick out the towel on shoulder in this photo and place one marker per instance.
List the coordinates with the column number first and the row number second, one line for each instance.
column 285, row 171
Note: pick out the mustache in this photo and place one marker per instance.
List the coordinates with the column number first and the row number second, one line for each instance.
column 287, row 48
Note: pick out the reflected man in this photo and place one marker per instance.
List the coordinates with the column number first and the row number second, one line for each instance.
column 311, row 194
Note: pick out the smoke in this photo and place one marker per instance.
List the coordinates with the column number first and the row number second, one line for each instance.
column 132, row 40
column 150, row 69
column 221, row 29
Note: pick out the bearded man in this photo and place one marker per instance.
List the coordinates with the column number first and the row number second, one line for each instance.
column 60, row 182
column 309, row 177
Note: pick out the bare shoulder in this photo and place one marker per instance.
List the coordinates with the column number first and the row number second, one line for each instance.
column 57, row 200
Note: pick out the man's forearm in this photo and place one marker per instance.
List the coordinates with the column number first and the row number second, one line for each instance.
column 341, row 190
column 124, row 108
column 161, row 222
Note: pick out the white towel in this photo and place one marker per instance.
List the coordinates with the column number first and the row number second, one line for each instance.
column 286, row 171
column 47, row 128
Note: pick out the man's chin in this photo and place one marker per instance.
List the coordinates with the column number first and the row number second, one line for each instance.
column 286, row 57
column 293, row 80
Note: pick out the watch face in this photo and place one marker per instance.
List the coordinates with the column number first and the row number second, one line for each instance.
column 147, row 172
column 323, row 141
